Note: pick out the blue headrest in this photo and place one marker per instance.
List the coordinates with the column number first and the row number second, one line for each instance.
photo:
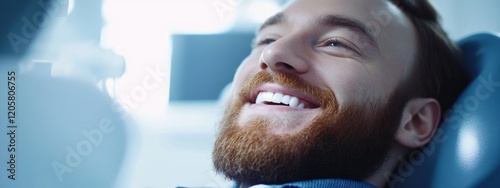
column 465, row 151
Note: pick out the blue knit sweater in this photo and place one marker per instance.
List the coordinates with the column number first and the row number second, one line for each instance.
column 321, row 183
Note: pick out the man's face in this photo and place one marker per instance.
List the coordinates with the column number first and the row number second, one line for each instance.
column 318, row 96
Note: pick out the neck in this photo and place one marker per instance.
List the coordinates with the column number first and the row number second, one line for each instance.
column 380, row 177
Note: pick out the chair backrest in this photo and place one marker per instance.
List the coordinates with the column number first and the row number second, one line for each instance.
column 205, row 63
column 465, row 151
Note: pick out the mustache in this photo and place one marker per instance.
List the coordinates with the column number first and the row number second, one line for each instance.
column 325, row 98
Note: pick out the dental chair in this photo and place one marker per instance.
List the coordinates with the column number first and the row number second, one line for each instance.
column 466, row 149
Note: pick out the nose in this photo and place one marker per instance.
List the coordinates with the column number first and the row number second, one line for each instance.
column 284, row 55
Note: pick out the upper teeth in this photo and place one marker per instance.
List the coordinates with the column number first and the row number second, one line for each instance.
column 278, row 98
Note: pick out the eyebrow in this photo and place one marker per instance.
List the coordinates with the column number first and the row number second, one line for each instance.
column 273, row 20
column 331, row 20
column 351, row 23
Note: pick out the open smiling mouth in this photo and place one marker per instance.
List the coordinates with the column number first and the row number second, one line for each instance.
column 276, row 98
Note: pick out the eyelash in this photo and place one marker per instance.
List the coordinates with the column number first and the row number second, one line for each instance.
column 342, row 42
column 336, row 40
column 266, row 41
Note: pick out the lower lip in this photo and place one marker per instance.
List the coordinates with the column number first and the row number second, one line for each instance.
column 297, row 118
column 274, row 107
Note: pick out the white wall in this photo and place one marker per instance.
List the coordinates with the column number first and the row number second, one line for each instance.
column 462, row 18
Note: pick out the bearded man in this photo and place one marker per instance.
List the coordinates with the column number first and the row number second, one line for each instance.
column 335, row 91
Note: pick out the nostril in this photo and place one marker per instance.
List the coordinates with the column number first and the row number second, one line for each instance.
column 285, row 65
column 279, row 66
column 263, row 66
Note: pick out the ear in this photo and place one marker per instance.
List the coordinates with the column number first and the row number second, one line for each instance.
column 419, row 122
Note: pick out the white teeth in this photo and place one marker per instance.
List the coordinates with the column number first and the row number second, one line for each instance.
column 259, row 99
column 286, row 99
column 294, row 102
column 268, row 96
column 277, row 98
column 264, row 97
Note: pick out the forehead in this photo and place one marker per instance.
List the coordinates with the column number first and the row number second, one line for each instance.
column 359, row 9
column 339, row 6
column 378, row 17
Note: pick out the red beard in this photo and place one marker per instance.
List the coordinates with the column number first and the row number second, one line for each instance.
column 349, row 142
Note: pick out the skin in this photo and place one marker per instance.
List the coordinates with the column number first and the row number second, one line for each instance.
column 301, row 46
column 356, row 70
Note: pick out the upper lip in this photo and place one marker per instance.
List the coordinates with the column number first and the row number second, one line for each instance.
column 304, row 98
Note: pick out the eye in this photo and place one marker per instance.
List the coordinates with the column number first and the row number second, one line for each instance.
column 264, row 42
column 335, row 43
column 339, row 42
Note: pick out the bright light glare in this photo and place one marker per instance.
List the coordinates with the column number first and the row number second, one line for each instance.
column 137, row 31
column 259, row 10
column 141, row 31
column 468, row 148
column 71, row 5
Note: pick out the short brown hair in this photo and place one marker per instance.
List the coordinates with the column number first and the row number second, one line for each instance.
column 438, row 69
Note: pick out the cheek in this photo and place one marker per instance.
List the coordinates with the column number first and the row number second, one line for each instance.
column 248, row 67
column 352, row 83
